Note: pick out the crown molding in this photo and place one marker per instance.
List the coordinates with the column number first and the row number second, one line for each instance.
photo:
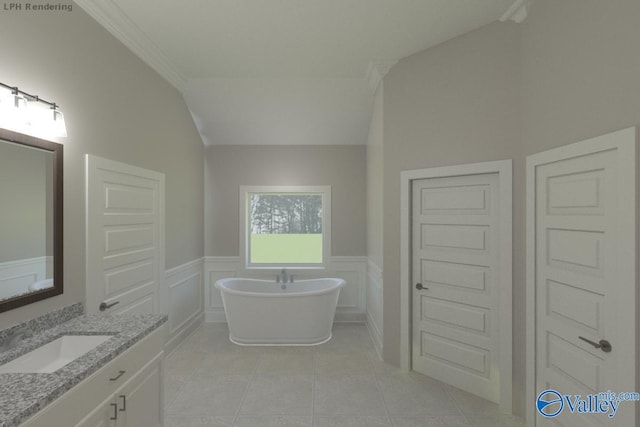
column 517, row 12
column 114, row 20
column 378, row 68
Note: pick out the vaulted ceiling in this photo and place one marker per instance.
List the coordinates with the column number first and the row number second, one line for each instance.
column 285, row 71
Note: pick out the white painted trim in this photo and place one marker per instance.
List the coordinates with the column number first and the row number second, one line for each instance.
column 517, row 12
column 324, row 190
column 16, row 276
column 376, row 336
column 378, row 68
column 41, row 260
column 625, row 142
column 110, row 16
column 171, row 346
column 222, row 259
column 374, row 285
column 504, row 170
column 174, row 278
column 173, row 341
column 347, row 259
column 182, row 268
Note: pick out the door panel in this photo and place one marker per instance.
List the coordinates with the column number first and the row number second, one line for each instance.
column 585, row 276
column 125, row 259
column 456, row 258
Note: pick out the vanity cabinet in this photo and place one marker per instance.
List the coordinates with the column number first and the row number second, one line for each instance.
column 126, row 392
column 138, row 403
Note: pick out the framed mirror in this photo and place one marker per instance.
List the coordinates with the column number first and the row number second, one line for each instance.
column 30, row 219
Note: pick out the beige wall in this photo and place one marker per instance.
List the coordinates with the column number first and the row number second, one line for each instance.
column 569, row 72
column 115, row 107
column 580, row 71
column 342, row 167
column 375, row 181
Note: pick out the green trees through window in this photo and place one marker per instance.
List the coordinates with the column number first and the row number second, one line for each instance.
column 286, row 214
column 285, row 228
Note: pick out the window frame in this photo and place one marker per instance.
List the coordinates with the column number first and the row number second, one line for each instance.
column 245, row 236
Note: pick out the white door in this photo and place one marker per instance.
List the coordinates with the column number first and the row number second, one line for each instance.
column 125, row 237
column 584, row 274
column 456, row 264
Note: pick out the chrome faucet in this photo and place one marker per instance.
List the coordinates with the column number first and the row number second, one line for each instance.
column 14, row 339
column 283, row 274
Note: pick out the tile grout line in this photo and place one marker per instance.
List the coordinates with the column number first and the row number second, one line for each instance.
column 379, row 387
column 246, row 391
column 313, row 389
column 187, row 378
column 458, row 407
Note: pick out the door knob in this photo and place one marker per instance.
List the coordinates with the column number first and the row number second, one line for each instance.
column 420, row 287
column 603, row 345
column 103, row 306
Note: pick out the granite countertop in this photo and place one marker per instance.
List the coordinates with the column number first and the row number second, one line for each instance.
column 22, row 395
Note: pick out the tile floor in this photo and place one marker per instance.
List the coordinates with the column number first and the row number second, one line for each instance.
column 211, row 382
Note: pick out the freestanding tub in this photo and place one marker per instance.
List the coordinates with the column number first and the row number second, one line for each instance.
column 261, row 312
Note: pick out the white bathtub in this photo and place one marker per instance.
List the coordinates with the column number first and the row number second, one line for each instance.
column 260, row 312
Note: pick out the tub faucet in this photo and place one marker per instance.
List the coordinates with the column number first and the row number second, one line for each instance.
column 283, row 274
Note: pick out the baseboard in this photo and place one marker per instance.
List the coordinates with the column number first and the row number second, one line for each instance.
column 375, row 305
column 215, row 315
column 187, row 329
column 349, row 317
column 376, row 336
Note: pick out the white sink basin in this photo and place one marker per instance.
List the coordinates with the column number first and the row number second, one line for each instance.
column 54, row 355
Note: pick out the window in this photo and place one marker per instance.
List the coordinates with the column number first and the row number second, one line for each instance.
column 285, row 226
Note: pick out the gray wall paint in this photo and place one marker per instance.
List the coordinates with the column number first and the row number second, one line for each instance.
column 580, row 71
column 453, row 104
column 342, row 167
column 375, row 181
column 115, row 107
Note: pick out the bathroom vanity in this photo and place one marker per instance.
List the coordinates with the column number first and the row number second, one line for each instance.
column 118, row 383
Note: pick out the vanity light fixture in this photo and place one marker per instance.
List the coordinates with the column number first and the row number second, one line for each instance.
column 26, row 113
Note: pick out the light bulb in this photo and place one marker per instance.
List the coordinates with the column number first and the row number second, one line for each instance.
column 14, row 113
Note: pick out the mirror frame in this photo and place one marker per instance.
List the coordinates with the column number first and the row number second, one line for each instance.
column 58, row 286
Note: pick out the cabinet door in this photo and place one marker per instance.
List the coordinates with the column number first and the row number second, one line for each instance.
column 140, row 399
column 103, row 416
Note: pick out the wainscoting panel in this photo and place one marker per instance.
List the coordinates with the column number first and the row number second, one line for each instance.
column 351, row 304
column 16, row 276
column 184, row 292
column 374, row 305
